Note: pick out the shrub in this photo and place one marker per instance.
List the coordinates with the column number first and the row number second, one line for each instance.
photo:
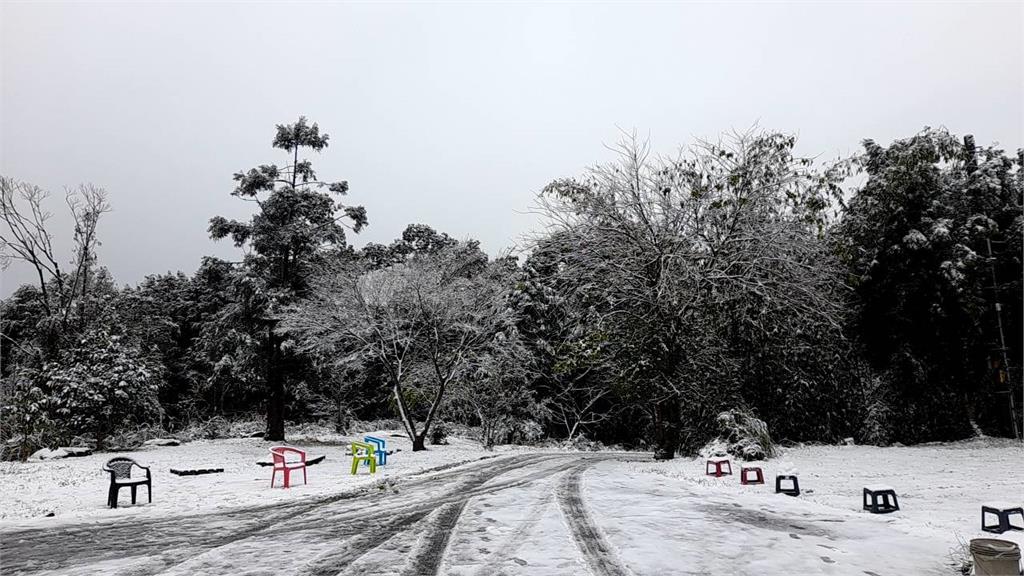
column 744, row 435
column 101, row 386
column 439, row 433
column 877, row 427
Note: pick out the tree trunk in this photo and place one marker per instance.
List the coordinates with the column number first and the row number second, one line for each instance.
column 666, row 428
column 275, row 389
column 407, row 423
column 419, row 442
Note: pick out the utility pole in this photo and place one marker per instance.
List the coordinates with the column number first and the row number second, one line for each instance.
column 1004, row 366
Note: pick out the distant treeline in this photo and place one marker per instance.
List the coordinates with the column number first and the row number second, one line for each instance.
column 662, row 292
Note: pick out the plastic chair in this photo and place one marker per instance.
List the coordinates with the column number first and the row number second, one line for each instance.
column 281, row 463
column 363, row 452
column 381, row 448
column 120, row 469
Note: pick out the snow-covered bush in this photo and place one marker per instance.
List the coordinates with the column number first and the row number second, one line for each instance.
column 743, row 435
column 439, row 433
column 877, row 428
column 101, row 386
column 26, row 423
column 211, row 429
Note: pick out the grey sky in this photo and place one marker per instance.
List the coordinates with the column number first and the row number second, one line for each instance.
column 455, row 115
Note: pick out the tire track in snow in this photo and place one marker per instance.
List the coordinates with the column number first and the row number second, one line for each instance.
column 352, row 524
column 515, row 539
column 428, row 556
column 180, row 538
column 360, row 538
column 599, row 555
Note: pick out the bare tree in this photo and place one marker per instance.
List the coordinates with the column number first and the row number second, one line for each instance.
column 63, row 293
column 575, row 405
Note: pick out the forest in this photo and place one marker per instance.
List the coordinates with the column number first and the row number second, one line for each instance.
column 876, row 297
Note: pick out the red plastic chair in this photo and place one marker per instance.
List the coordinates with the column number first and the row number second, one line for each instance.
column 279, row 453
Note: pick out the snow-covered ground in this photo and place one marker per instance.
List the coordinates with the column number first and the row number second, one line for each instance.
column 76, row 488
column 523, row 513
column 941, row 488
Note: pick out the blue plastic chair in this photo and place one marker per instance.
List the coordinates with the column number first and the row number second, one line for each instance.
column 381, row 448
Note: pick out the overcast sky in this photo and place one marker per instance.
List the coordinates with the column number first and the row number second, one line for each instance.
column 455, row 115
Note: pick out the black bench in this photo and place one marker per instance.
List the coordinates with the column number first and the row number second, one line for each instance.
column 120, row 469
column 195, row 471
column 1002, row 511
column 883, row 492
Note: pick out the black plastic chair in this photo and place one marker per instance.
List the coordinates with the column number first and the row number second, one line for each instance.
column 120, row 469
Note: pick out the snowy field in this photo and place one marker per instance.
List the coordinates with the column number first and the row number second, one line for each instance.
column 76, row 488
column 516, row 514
column 940, row 487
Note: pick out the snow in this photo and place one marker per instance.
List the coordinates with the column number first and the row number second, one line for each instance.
column 915, row 240
column 76, row 488
column 879, row 488
column 58, row 453
column 649, row 517
column 1002, row 505
column 720, row 526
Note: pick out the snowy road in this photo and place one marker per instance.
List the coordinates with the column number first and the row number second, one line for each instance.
column 523, row 514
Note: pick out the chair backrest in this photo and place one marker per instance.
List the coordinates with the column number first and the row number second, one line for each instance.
column 378, row 442
column 121, row 466
column 280, row 453
column 367, row 448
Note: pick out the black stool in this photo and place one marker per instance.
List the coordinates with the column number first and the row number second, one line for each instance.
column 789, row 491
column 883, row 492
column 1002, row 511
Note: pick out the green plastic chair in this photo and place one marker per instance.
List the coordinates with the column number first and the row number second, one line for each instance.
column 367, row 456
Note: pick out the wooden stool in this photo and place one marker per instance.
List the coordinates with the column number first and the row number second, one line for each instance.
column 758, row 475
column 1002, row 511
column 886, row 506
column 720, row 465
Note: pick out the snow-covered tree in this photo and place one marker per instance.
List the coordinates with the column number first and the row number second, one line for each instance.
column 666, row 255
column 915, row 238
column 421, row 322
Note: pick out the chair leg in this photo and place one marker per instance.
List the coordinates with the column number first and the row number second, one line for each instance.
column 303, row 475
column 287, row 478
column 149, row 491
column 134, row 492
column 112, row 496
column 272, row 476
